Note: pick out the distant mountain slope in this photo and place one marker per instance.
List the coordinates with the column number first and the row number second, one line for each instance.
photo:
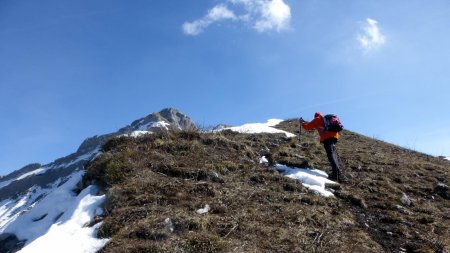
column 34, row 199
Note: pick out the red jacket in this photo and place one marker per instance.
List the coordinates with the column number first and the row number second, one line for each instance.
column 317, row 123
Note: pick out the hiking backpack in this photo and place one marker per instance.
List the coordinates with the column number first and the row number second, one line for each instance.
column 332, row 123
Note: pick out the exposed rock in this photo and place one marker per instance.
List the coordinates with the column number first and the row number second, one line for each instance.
column 93, row 142
column 220, row 127
column 442, row 190
column 10, row 244
column 406, row 200
column 169, row 223
column 176, row 119
column 403, row 210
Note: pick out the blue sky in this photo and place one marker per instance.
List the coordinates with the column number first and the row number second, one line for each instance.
column 74, row 69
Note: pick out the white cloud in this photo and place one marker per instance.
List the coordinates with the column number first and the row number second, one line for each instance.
column 371, row 38
column 275, row 15
column 261, row 15
column 217, row 13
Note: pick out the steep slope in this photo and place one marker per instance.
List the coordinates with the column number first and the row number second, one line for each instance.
column 36, row 198
column 209, row 192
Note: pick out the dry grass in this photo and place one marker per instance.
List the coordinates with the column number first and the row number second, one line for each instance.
column 155, row 184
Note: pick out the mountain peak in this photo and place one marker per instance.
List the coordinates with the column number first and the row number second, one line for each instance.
column 166, row 118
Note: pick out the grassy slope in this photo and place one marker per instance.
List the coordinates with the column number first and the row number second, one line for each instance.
column 156, row 183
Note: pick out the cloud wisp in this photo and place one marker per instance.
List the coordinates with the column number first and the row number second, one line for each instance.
column 217, row 13
column 371, row 38
column 261, row 15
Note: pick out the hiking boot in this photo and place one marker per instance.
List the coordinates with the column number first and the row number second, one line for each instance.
column 334, row 177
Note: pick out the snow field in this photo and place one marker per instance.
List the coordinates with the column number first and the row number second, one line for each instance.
column 71, row 233
column 256, row 128
column 57, row 223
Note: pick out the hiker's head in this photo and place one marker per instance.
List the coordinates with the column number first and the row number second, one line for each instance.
column 317, row 114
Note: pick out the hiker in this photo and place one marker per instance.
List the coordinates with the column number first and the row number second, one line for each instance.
column 329, row 140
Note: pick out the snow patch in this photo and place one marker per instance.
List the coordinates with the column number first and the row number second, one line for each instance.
column 263, row 160
column 204, row 209
column 158, row 124
column 71, row 233
column 448, row 158
column 312, row 179
column 57, row 222
column 256, row 128
column 138, row 133
column 170, row 224
column 143, row 130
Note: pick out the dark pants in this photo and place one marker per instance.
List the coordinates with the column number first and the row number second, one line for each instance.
column 330, row 147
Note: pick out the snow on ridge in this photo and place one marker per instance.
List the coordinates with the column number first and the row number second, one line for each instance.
column 447, row 158
column 34, row 172
column 312, row 179
column 256, row 128
column 143, row 130
column 152, row 124
column 135, row 134
column 31, row 173
column 139, row 133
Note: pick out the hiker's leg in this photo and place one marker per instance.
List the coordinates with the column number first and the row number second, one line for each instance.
column 330, row 148
column 335, row 156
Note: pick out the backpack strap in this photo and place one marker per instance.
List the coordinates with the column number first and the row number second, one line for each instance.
column 323, row 129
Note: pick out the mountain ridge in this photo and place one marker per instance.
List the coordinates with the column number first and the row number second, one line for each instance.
column 184, row 190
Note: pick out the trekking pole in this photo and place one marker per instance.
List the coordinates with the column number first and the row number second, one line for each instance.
column 300, row 134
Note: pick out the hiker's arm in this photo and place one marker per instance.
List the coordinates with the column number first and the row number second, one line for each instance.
column 302, row 122
column 308, row 126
